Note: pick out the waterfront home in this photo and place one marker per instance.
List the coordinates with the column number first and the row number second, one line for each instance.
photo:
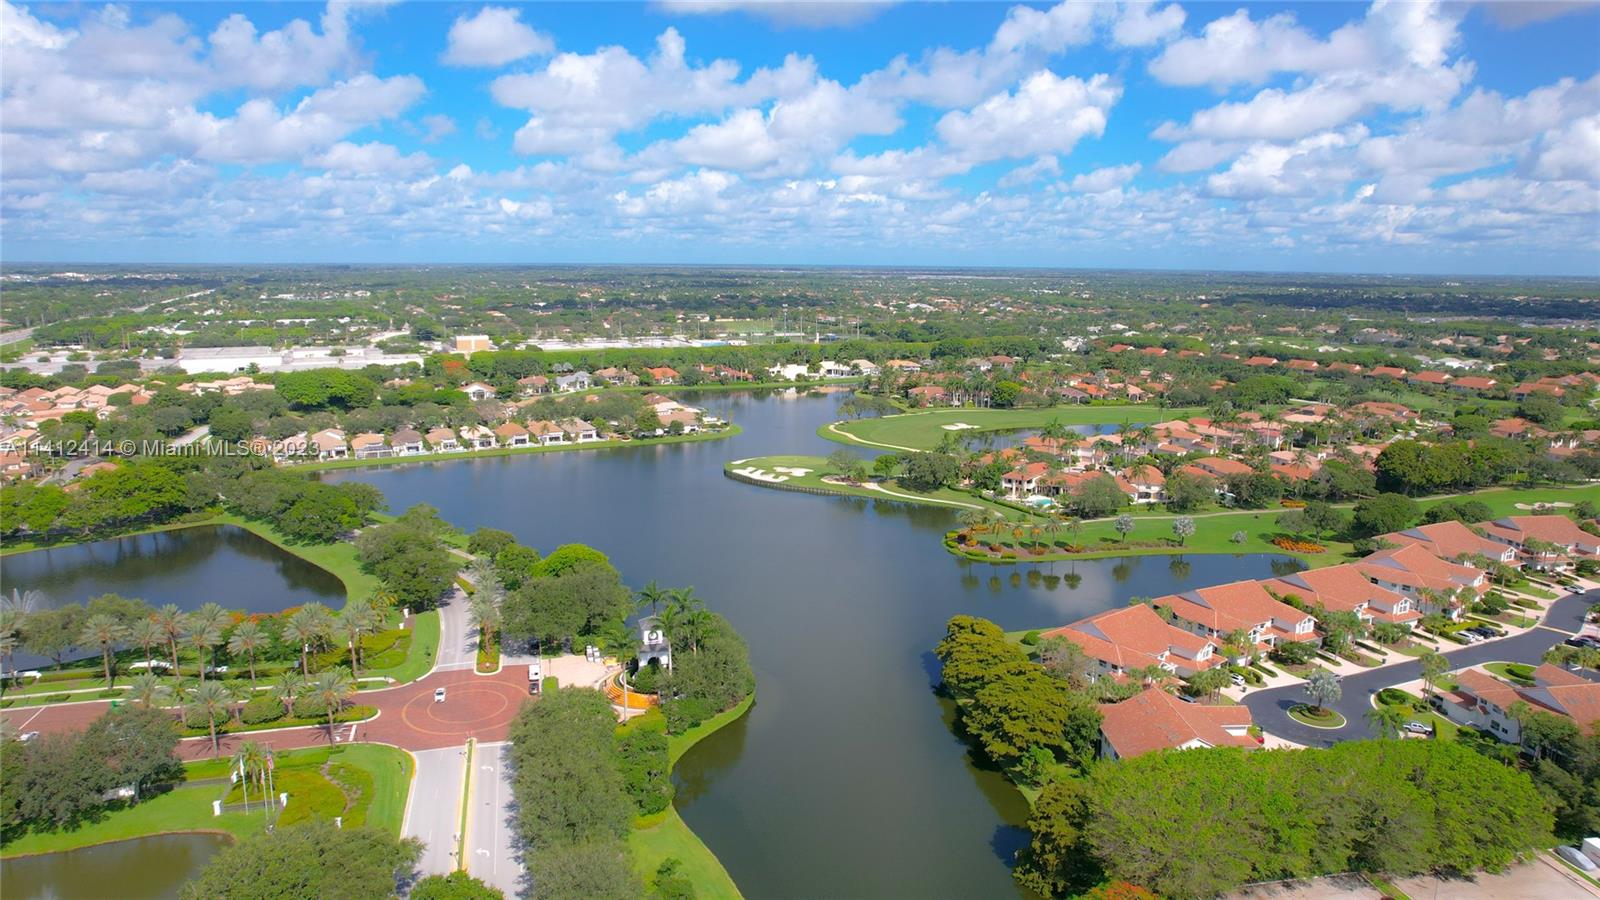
column 545, row 433
column 1217, row 611
column 1120, row 641
column 687, row 420
column 533, row 384
column 406, row 442
column 577, row 381
column 904, row 366
column 929, row 395
column 510, row 434
column 663, row 374
column 330, row 444
column 1484, row 702
column 1454, row 540
column 1345, row 589
column 443, row 440
column 1435, row 585
column 1023, row 481
column 1556, row 540
column 370, row 445
column 615, row 376
column 865, row 367
column 477, row 390
column 478, row 437
column 579, row 431
column 1155, row 720
column 1145, row 484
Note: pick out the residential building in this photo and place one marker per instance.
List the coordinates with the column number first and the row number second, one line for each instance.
column 406, row 442
column 1484, row 702
column 1454, row 541
column 545, row 433
column 473, row 343
column 1558, row 540
column 510, row 434
column 330, row 444
column 477, row 390
column 1435, row 585
column 1155, row 720
column 370, row 445
column 576, row 381
column 443, row 440
column 478, row 437
column 1217, row 611
column 1346, row 589
column 1124, row 640
column 579, row 431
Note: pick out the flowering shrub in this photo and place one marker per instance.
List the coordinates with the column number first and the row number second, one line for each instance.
column 1295, row 546
column 1292, row 504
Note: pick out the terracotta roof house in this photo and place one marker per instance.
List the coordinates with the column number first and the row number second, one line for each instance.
column 1137, row 637
column 1387, row 372
column 1260, row 361
column 545, row 433
column 1217, row 468
column 1473, row 384
column 1216, row 611
column 406, row 442
column 1155, row 720
column 1484, row 702
column 1515, row 427
column 510, row 434
column 1454, row 540
column 1345, row 589
column 1302, row 365
column 664, row 374
column 533, row 384
column 1350, row 368
column 1023, row 481
column 1147, row 483
column 928, row 394
column 1521, row 391
column 478, row 437
column 443, row 440
column 330, row 444
column 1564, row 534
column 1434, row 584
column 1437, row 379
column 477, row 390
column 370, row 445
column 579, row 431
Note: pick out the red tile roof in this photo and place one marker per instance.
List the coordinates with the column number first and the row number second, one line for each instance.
column 1155, row 720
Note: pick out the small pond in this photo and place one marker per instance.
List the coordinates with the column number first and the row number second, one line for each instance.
column 147, row 868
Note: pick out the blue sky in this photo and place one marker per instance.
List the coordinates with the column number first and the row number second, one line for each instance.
column 1391, row 137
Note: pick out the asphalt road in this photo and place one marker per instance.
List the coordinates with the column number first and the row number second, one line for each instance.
column 493, row 854
column 1270, row 708
column 458, row 640
column 433, row 812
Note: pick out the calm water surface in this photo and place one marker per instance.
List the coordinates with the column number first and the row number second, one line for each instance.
column 189, row 567
column 151, row 868
column 845, row 779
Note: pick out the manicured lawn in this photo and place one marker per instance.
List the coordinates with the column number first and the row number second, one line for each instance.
column 679, row 744
column 1503, row 501
column 419, row 655
column 673, row 838
column 188, row 806
column 923, row 430
column 890, row 490
column 1305, row 716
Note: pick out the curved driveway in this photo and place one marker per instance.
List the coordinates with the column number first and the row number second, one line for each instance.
column 1270, row 708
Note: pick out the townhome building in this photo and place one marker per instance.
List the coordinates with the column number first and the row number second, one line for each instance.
column 370, row 445
column 1455, row 541
column 1156, row 720
column 1435, row 585
column 1125, row 640
column 1215, row 612
column 1484, row 702
column 1345, row 589
column 1557, row 541
column 406, row 442
column 330, row 444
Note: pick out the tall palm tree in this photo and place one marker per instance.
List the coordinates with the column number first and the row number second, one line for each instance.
column 247, row 639
column 357, row 621
column 10, row 638
column 146, row 633
column 147, row 689
column 202, row 634
column 692, row 616
column 484, row 614
column 288, row 688
column 171, row 621
column 302, row 628
column 251, row 761
column 653, row 595
column 105, row 631
column 322, row 619
column 214, row 701
column 331, row 689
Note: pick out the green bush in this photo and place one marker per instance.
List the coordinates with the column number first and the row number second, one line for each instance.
column 261, row 709
column 1520, row 671
column 194, row 718
column 308, row 708
column 1394, row 697
column 56, row 698
column 1031, row 638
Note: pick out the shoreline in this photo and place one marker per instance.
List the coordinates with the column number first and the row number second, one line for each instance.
column 731, row 430
column 230, row 836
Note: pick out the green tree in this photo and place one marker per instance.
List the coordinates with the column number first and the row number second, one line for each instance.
column 1323, row 688
column 1383, row 514
column 147, row 689
column 247, row 640
column 1183, row 528
column 458, row 885
column 1434, row 666
column 1123, row 526
column 1208, row 682
column 1187, row 492
column 204, row 632
column 53, row 631
column 211, row 701
column 137, row 746
column 104, row 632
column 930, row 471
column 1387, row 721
column 332, row 688
column 311, row 859
column 1098, row 496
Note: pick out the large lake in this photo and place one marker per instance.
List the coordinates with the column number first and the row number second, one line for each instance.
column 845, row 779
column 189, row 567
column 151, row 868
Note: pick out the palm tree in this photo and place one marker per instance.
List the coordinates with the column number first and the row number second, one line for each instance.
column 10, row 638
column 484, row 613
column 1386, row 721
column 170, row 620
column 322, row 620
column 692, row 617
column 246, row 640
column 146, row 633
column 331, row 689
column 147, row 689
column 204, row 633
column 105, row 631
column 302, row 628
column 653, row 595
column 1434, row 665
column 251, row 761
column 213, row 700
column 289, row 686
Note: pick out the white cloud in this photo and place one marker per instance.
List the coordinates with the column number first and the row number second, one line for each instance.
column 1308, row 167
column 1046, row 114
column 260, row 132
column 1572, row 152
column 1142, row 24
column 292, row 56
column 1043, row 167
column 795, row 13
column 695, row 193
column 1105, row 179
column 373, row 158
column 436, row 128
column 19, row 28
column 493, row 37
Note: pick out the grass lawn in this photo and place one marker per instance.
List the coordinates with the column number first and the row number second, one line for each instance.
column 1503, row 501
column 890, row 490
column 924, row 429
column 673, row 838
column 419, row 655
column 338, row 557
column 727, row 432
column 1328, row 719
column 382, row 775
column 667, row 835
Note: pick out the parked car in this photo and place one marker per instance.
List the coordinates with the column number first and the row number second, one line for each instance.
column 27, row 736
column 1237, row 679
column 1418, row 728
column 438, row 695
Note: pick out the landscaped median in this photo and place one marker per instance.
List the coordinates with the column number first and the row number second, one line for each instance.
column 363, row 783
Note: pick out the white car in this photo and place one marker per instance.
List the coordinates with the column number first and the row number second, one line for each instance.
column 438, row 695
column 27, row 736
column 1418, row 728
column 1237, row 679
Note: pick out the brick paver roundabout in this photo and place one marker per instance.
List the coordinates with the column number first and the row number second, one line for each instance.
column 475, row 706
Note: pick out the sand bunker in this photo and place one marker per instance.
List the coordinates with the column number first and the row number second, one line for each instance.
column 957, row 426
column 796, row 471
column 760, row 475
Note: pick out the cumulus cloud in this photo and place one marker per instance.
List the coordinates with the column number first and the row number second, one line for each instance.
column 1046, row 114
column 1105, row 179
column 496, row 35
